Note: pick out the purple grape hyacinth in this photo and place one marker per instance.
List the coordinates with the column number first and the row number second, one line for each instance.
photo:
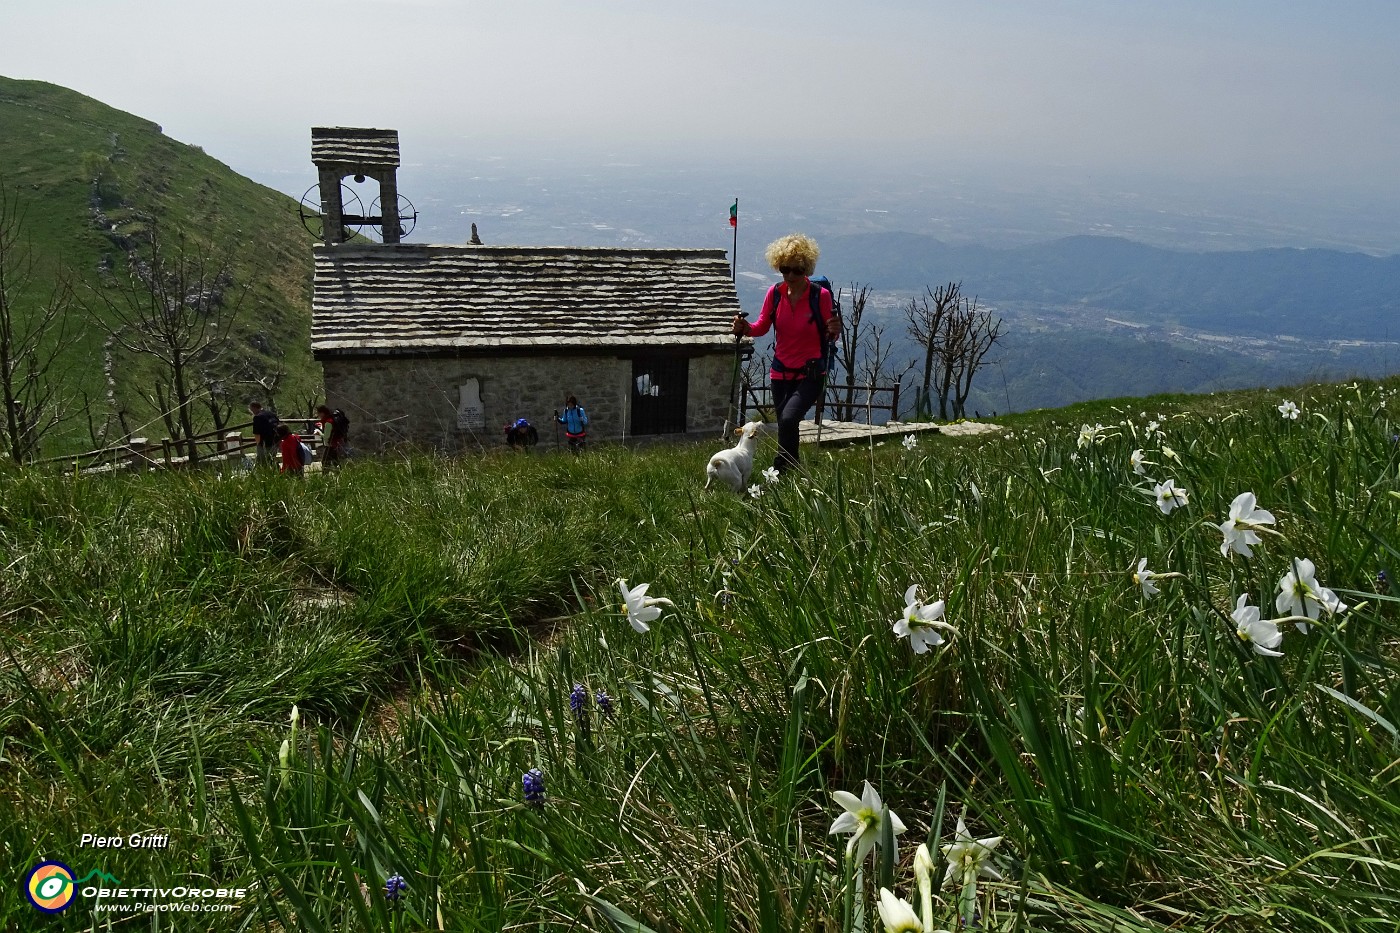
column 605, row 704
column 533, row 781
column 578, row 702
column 394, row 888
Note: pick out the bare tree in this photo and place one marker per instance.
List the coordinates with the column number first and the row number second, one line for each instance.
column 973, row 332
column 956, row 336
column 874, row 370
column 34, row 333
column 848, row 349
column 219, row 400
column 173, row 308
column 928, row 316
column 270, row 383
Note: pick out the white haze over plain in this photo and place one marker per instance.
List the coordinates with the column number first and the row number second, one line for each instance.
column 1297, row 97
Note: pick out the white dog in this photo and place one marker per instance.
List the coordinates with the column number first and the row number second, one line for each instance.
column 733, row 466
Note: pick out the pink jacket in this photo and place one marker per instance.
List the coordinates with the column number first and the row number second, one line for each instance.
column 797, row 340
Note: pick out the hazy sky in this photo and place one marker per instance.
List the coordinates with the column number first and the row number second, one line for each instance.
column 1290, row 89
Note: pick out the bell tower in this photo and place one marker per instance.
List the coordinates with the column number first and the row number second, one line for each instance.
column 339, row 152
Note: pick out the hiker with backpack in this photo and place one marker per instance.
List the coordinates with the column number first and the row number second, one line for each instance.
column 575, row 422
column 801, row 314
column 265, row 430
column 334, row 429
column 521, row 434
column 296, row 456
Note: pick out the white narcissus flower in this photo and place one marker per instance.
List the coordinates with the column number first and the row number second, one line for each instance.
column 771, row 475
column 923, row 877
column 897, row 914
column 1088, row 436
column 1143, row 577
column 910, row 442
column 969, row 858
column 1241, row 529
column 755, row 490
column 921, row 622
column 862, row 820
column 284, row 759
column 1300, row 595
column 1138, row 462
column 1289, row 410
column 641, row 609
column 1262, row 634
column 1169, row 496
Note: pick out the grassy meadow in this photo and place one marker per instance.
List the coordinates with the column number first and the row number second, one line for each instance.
column 446, row 627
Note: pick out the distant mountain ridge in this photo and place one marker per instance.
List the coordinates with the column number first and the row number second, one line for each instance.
column 1307, row 293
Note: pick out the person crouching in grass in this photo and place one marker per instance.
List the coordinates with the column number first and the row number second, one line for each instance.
column 293, row 461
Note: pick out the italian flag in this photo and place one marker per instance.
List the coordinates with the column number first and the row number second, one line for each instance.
column 734, row 214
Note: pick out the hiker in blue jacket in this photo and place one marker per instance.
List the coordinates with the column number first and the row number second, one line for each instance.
column 575, row 422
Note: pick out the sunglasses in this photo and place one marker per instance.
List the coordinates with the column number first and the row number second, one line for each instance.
column 790, row 270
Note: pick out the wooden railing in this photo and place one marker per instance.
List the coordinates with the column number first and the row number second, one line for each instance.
column 832, row 403
column 213, row 447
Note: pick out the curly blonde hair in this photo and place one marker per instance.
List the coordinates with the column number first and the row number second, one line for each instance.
column 796, row 250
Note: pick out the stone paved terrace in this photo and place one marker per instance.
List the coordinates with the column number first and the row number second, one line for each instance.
column 845, row 432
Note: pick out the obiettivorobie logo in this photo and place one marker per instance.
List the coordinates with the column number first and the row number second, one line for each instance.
column 51, row 886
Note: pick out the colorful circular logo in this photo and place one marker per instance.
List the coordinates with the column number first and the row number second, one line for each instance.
column 50, row 887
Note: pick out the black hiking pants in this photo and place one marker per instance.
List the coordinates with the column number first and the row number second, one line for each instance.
column 792, row 398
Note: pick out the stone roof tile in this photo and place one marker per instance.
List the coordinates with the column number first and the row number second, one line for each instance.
column 354, row 146
column 410, row 298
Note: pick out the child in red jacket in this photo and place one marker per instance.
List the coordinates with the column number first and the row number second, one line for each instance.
column 290, row 445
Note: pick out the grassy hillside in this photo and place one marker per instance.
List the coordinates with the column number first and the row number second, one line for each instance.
column 446, row 626
column 90, row 178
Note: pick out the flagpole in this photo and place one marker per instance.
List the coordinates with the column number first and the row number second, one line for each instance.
column 734, row 390
column 734, row 264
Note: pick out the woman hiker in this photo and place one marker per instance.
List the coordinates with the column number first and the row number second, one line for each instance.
column 575, row 422
column 800, row 325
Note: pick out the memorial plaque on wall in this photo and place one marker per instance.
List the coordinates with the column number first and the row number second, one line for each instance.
column 470, row 416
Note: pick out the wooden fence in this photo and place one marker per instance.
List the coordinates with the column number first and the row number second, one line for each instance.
column 213, row 447
column 838, row 402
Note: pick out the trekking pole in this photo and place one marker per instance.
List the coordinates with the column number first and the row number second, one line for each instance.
column 734, row 381
column 556, row 430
